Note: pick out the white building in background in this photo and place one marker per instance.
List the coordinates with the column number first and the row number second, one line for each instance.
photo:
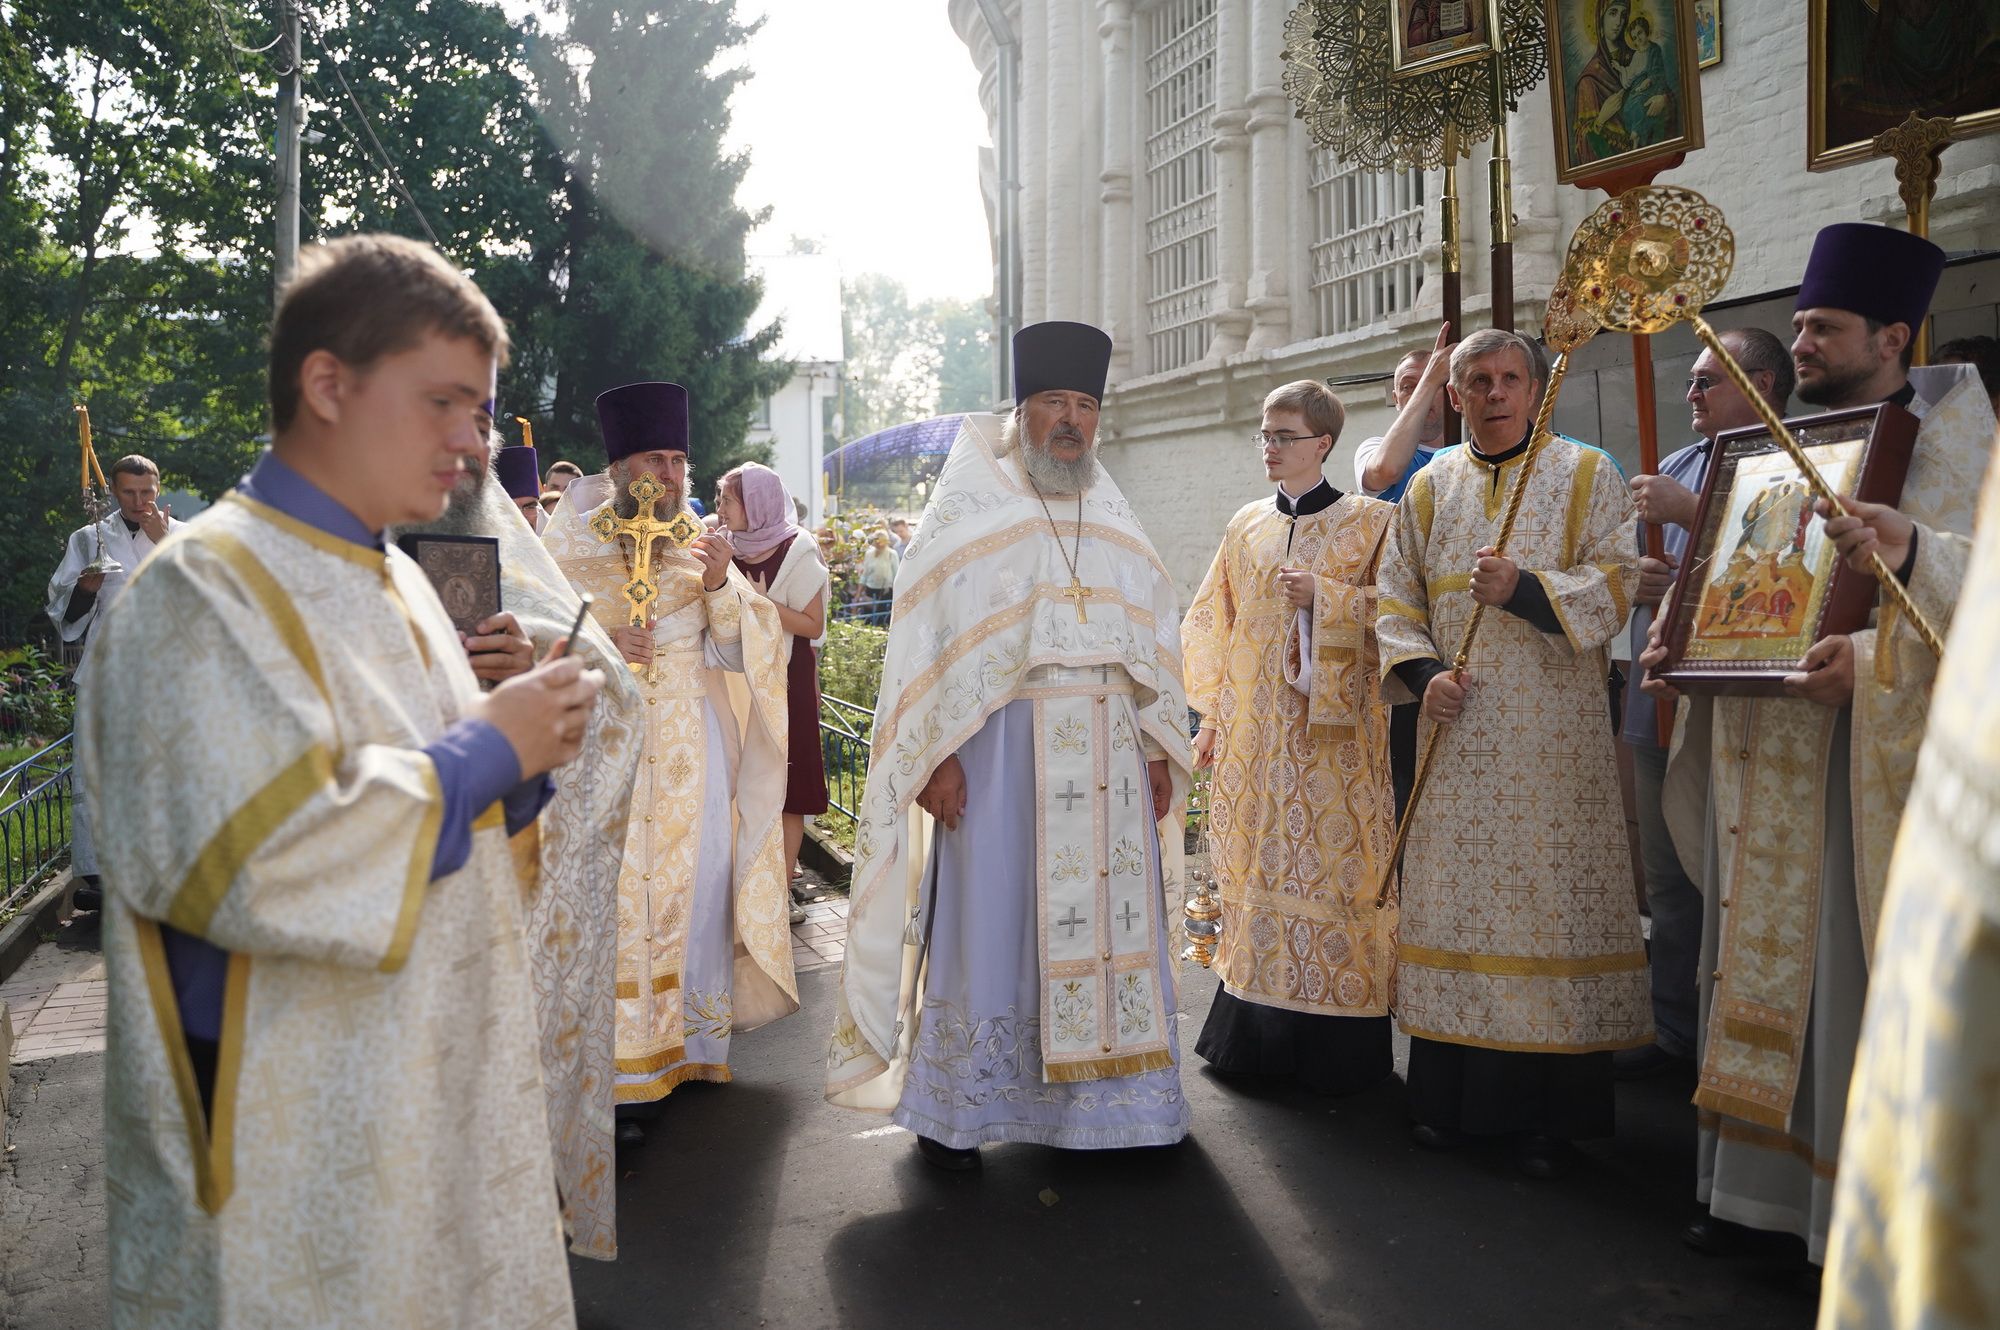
column 796, row 421
column 1169, row 195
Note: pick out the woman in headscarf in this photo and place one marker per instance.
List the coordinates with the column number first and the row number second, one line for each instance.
column 782, row 560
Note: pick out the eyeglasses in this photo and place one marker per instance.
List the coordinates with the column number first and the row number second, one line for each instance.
column 1701, row 383
column 1266, row 439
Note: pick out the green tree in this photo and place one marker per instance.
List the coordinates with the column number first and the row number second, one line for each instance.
column 655, row 284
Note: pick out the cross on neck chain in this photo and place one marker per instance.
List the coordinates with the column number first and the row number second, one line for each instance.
column 1076, row 592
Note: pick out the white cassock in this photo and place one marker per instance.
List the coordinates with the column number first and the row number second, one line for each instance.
column 130, row 549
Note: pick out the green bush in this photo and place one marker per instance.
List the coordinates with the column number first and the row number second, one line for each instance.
column 850, row 662
column 35, row 700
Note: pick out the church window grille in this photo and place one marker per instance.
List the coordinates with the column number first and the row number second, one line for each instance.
column 1180, row 181
column 1367, row 240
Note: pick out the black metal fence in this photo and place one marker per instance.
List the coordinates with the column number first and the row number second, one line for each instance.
column 35, row 798
column 845, row 731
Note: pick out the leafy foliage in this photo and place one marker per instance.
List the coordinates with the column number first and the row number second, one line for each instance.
column 36, row 704
column 577, row 171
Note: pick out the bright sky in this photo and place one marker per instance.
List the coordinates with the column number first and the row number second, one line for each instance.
column 864, row 127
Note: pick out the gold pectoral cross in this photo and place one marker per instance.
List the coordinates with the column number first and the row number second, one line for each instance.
column 645, row 528
column 1077, row 593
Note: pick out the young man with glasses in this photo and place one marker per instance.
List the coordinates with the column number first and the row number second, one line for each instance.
column 1668, row 500
column 1279, row 652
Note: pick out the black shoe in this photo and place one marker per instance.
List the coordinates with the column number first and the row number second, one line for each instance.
column 1435, row 1138
column 1716, row 1237
column 1634, row 1064
column 945, row 1157
column 1543, row 1157
column 630, row 1134
column 88, row 896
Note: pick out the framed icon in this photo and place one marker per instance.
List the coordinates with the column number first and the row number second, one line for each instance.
column 1624, row 81
column 1761, row 581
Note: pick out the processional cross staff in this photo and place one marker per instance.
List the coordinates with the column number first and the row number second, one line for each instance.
column 644, row 529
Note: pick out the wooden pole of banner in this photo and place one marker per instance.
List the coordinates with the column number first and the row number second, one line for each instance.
column 1451, row 260
column 1500, row 184
column 1646, row 405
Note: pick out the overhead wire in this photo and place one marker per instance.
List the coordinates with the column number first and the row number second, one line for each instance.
column 229, row 46
column 381, row 154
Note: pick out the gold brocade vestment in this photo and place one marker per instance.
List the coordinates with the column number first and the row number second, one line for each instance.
column 1519, row 929
column 1300, row 814
column 377, row 1150
column 660, row 1008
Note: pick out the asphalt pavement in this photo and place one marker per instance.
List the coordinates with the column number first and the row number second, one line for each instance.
column 756, row 1204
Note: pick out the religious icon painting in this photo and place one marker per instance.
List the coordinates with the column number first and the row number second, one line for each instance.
column 463, row 570
column 1871, row 64
column 1625, row 85
column 1761, row 581
column 1430, row 34
column 1707, row 33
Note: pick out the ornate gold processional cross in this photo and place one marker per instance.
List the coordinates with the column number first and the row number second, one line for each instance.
column 644, row 528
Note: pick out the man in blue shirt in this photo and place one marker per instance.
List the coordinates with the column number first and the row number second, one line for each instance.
column 1669, row 500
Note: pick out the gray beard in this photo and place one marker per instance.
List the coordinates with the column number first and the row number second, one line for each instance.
column 1052, row 475
column 461, row 516
column 627, row 507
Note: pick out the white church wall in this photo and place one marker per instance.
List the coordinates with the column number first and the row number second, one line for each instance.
column 1176, row 439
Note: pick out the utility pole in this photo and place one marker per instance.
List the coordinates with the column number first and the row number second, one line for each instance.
column 291, row 119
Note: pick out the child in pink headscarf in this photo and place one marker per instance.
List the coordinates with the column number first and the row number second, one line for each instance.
column 782, row 560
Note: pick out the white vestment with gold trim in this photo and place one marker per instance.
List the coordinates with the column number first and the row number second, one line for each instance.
column 567, row 861
column 377, row 1150
column 704, row 931
column 1057, row 891
column 1916, row 1214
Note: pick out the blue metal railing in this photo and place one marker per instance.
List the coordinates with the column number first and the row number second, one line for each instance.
column 845, row 731
column 865, row 610
column 35, row 797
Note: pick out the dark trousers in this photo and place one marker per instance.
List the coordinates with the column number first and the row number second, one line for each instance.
column 1675, row 904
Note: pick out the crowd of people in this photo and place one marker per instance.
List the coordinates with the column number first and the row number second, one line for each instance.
column 432, row 916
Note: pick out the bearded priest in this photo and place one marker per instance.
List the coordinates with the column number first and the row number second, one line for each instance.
column 567, row 861
column 704, row 939
column 1281, row 664
column 1009, row 974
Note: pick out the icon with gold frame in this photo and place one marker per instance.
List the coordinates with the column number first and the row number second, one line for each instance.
column 1435, row 34
column 1761, row 582
column 1869, row 65
column 1622, row 102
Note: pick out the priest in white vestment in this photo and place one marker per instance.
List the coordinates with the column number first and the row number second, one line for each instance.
column 78, row 598
column 1803, row 794
column 704, row 919
column 323, row 1101
column 1010, row 970
column 566, row 860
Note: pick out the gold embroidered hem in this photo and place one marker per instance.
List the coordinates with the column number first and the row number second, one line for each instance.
column 711, row 1073
column 1300, row 813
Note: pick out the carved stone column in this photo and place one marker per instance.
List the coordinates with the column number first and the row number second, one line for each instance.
column 1273, row 181
column 1034, row 160
column 1231, row 319
column 1114, row 195
column 1063, row 211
